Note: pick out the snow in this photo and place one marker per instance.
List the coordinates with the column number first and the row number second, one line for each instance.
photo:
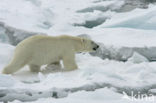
column 104, row 95
column 121, row 77
column 6, row 81
column 13, row 35
column 34, row 16
column 6, row 51
column 143, row 19
column 102, row 76
column 137, row 58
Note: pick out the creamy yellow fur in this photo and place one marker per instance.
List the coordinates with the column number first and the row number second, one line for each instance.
column 40, row 50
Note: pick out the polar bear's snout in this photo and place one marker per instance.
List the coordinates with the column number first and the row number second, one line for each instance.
column 95, row 48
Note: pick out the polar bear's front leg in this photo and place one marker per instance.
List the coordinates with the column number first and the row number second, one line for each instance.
column 69, row 61
column 34, row 68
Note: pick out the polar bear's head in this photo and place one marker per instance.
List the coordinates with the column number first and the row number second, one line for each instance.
column 89, row 45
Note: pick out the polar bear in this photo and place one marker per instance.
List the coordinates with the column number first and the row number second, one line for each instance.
column 41, row 50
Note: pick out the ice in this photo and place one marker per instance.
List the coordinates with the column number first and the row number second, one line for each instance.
column 143, row 19
column 41, row 76
column 13, row 35
column 137, row 58
column 152, row 91
column 125, row 61
column 6, row 81
column 125, row 53
column 120, row 77
column 6, row 51
column 104, row 95
column 121, row 43
column 32, row 13
column 29, row 95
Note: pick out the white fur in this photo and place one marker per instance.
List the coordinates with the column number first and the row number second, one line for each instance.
column 40, row 50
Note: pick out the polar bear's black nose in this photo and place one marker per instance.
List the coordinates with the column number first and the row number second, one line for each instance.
column 95, row 48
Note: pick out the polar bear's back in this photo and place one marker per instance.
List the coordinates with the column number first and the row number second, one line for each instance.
column 38, row 41
column 50, row 41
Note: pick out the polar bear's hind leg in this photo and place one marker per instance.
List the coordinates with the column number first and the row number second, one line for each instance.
column 16, row 63
column 13, row 66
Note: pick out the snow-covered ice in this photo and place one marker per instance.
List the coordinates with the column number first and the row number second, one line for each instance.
column 104, row 95
column 143, row 19
column 104, row 78
column 112, row 74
